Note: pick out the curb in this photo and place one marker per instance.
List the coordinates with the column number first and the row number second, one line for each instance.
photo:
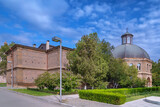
column 152, row 101
column 41, row 99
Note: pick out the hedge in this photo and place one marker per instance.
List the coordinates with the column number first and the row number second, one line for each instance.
column 111, row 98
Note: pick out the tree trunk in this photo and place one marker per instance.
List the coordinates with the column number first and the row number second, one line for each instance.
column 85, row 87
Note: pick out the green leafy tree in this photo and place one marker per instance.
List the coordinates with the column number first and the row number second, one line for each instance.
column 3, row 65
column 107, row 50
column 70, row 81
column 116, row 71
column 130, row 79
column 156, row 73
column 87, row 60
column 122, row 75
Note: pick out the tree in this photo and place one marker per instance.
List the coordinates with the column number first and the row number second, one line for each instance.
column 70, row 81
column 122, row 75
column 107, row 50
column 87, row 60
column 3, row 65
column 156, row 73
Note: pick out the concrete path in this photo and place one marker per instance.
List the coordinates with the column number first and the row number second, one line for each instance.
column 10, row 99
column 139, row 103
column 153, row 99
column 57, row 97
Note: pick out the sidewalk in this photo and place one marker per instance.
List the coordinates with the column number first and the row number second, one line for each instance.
column 75, row 101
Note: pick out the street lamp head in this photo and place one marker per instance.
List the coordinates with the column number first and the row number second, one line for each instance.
column 56, row 39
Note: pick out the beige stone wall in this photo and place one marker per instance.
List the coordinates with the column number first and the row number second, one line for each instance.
column 146, row 66
column 30, row 75
column 29, row 64
column 53, row 59
column 33, row 59
column 64, row 58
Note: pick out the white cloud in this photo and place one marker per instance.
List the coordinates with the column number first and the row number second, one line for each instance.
column 79, row 13
column 40, row 13
column 92, row 10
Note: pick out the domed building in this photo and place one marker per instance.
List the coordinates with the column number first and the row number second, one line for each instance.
column 135, row 55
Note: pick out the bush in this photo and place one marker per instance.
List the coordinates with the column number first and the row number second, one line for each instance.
column 114, row 96
column 70, row 81
column 50, row 81
column 110, row 98
column 46, row 80
column 41, row 80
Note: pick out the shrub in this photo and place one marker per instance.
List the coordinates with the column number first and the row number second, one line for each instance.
column 46, row 80
column 41, row 80
column 70, row 81
column 111, row 98
column 50, row 81
column 114, row 96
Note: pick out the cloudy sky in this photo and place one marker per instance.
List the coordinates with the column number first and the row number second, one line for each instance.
column 36, row 21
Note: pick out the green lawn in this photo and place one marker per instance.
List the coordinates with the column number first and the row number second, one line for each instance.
column 3, row 84
column 136, row 97
column 44, row 92
column 32, row 92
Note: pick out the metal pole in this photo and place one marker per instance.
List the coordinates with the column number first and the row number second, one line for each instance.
column 12, row 75
column 60, row 71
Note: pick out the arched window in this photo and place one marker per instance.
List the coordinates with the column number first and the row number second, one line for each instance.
column 131, row 64
column 139, row 66
column 124, row 40
column 128, row 39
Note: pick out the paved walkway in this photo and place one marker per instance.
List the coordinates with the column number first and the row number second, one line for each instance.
column 75, row 101
column 10, row 99
column 139, row 103
column 153, row 99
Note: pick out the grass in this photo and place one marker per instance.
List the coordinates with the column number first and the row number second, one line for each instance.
column 31, row 92
column 139, row 96
column 3, row 84
column 45, row 92
column 73, row 91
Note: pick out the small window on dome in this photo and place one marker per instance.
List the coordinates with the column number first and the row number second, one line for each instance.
column 124, row 39
column 128, row 39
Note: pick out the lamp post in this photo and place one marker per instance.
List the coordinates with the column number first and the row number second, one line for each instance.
column 11, row 73
column 57, row 39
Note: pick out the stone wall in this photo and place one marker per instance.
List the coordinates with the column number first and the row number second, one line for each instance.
column 29, row 64
column 146, row 66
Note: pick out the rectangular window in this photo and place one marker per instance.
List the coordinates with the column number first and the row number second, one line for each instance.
column 128, row 39
column 124, row 39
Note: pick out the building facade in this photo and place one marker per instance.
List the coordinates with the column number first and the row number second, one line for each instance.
column 29, row 62
column 135, row 55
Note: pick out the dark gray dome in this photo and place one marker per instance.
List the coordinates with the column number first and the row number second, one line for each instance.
column 129, row 51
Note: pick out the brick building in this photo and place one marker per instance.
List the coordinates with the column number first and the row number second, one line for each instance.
column 29, row 62
column 135, row 55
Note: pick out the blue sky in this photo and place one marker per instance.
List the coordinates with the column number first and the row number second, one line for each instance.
column 36, row 21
